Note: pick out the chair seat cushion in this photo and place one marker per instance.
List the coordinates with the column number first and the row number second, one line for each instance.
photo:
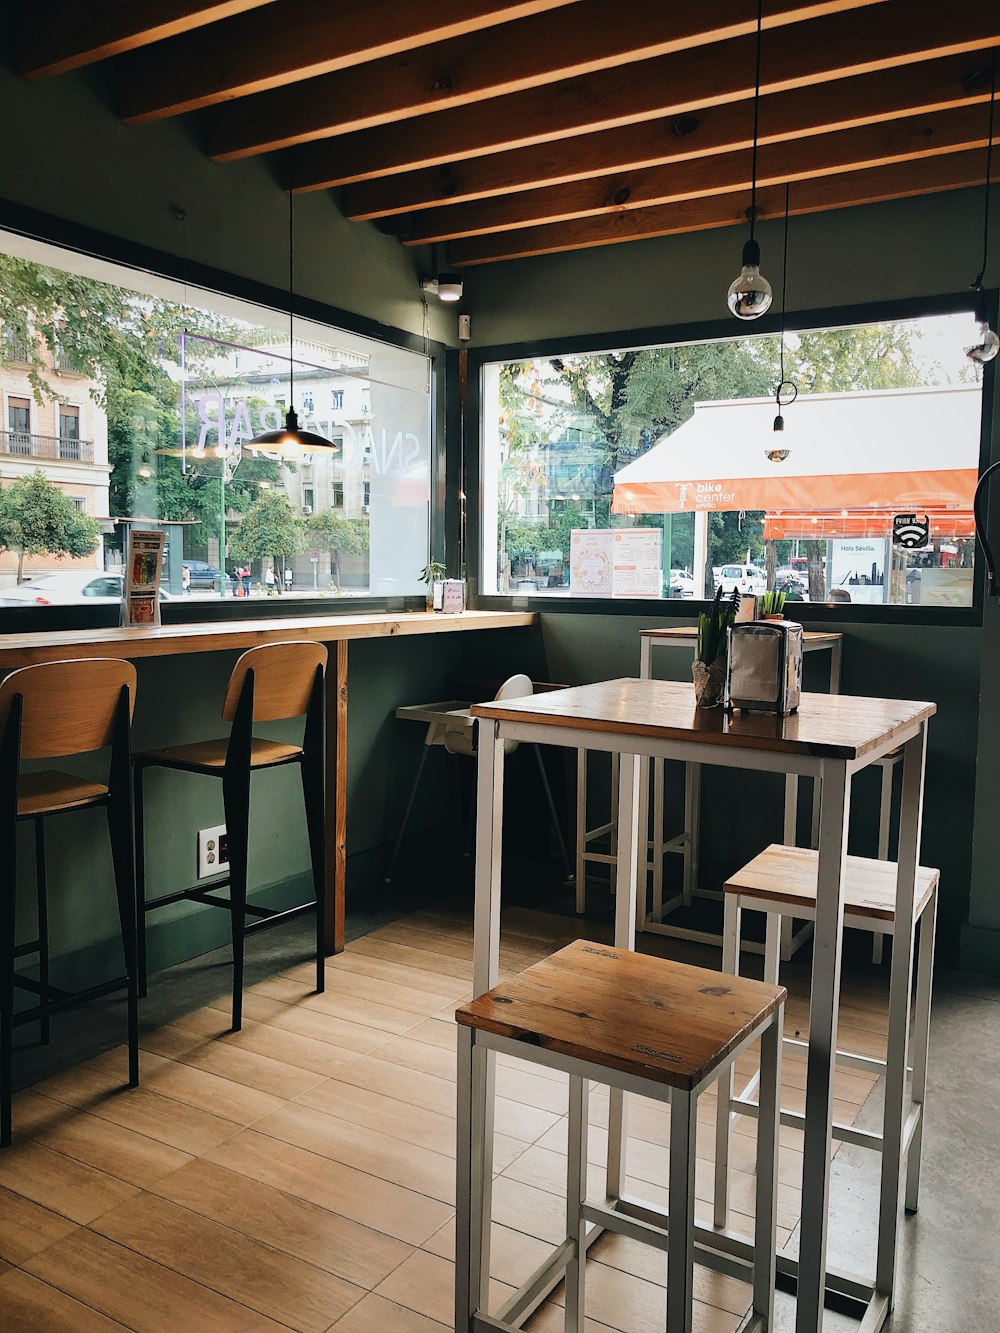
column 44, row 793
column 210, row 756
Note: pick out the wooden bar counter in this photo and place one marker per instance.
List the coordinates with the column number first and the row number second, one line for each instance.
column 134, row 642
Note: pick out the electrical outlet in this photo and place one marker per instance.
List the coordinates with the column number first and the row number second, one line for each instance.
column 213, row 851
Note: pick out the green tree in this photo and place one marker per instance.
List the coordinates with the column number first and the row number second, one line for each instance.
column 270, row 527
column 36, row 518
column 338, row 536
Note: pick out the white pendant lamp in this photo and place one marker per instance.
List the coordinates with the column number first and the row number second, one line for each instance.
column 787, row 391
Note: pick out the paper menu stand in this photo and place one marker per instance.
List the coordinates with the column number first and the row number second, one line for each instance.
column 142, row 574
column 454, row 596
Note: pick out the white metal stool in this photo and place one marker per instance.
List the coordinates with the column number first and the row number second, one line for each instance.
column 639, row 1024
column 781, row 881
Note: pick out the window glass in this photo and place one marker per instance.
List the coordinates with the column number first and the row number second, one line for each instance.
column 129, row 399
column 651, row 471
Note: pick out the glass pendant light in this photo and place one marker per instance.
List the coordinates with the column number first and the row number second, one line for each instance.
column 987, row 345
column 750, row 294
column 290, row 440
column 786, row 392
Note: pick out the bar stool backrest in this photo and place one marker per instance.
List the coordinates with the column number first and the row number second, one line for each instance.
column 67, row 707
column 284, row 676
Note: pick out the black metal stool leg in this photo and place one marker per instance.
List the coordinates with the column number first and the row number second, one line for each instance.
column 140, row 879
column 41, row 884
column 120, row 832
column 236, row 796
column 552, row 811
column 312, row 790
column 7, row 872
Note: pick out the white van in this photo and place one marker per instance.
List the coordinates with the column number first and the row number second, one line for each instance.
column 744, row 578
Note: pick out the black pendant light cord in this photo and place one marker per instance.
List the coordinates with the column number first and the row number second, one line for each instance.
column 784, row 289
column 756, row 122
column 782, row 382
column 291, row 299
column 978, row 284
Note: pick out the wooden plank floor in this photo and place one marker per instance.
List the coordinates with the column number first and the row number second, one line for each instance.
column 300, row 1174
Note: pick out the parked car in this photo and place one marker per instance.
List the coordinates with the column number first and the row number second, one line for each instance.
column 681, row 583
column 744, row 578
column 203, row 575
column 68, row 587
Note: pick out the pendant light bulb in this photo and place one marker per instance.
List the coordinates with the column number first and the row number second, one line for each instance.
column 750, row 294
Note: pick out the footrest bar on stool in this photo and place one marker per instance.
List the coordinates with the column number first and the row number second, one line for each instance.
column 861, row 1138
column 531, row 1293
column 273, row 918
column 644, row 1222
column 67, row 999
column 876, row 1314
column 868, row 1064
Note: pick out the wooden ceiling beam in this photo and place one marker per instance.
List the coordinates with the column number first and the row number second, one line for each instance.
column 796, row 160
column 819, row 195
column 298, row 39
column 67, row 34
column 537, row 50
column 797, row 56
column 919, row 89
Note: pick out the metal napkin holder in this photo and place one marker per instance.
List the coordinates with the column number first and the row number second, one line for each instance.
column 764, row 667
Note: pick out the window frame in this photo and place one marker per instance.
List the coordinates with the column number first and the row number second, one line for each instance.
column 685, row 609
column 49, row 229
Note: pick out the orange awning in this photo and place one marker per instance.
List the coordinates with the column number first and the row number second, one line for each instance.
column 862, row 523
column 885, row 450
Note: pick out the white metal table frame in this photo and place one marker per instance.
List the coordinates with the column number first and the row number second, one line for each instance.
column 834, row 776
column 687, row 843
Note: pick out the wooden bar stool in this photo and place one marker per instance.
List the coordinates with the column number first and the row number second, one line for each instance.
column 781, row 881
column 645, row 1025
column 278, row 681
column 60, row 709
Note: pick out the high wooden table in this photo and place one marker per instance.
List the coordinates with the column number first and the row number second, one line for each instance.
column 831, row 738
column 685, row 638
column 137, row 641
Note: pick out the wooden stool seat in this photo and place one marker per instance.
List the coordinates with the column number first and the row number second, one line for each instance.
column 788, row 875
column 639, row 1025
column 201, row 756
column 51, row 791
column 649, row 1017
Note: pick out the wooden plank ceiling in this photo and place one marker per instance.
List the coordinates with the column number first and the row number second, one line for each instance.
column 510, row 128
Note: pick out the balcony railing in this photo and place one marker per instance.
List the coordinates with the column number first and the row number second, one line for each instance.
column 57, row 448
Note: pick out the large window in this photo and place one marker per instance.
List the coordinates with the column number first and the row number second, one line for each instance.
column 663, row 472
column 129, row 399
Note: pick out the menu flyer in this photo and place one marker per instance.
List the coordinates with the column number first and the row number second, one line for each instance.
column 615, row 562
column 141, row 584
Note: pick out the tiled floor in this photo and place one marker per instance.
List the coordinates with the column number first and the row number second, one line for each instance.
column 300, row 1174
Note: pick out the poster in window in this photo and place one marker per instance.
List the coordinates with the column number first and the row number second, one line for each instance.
column 141, row 581
column 591, row 562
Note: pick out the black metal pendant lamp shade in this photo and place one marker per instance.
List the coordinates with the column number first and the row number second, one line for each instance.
column 291, row 439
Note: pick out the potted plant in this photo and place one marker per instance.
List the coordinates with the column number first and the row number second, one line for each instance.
column 771, row 606
column 433, row 575
column 709, row 666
